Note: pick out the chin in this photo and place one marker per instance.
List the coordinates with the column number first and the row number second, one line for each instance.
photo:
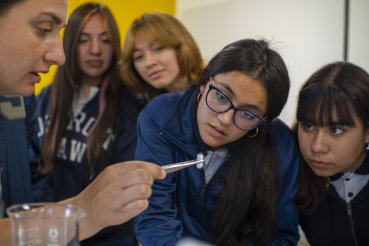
column 213, row 144
column 28, row 91
column 159, row 85
column 322, row 173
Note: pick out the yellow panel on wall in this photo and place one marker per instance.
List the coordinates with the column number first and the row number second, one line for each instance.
column 125, row 11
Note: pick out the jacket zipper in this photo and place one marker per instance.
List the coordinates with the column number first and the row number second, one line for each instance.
column 202, row 197
column 349, row 214
column 173, row 141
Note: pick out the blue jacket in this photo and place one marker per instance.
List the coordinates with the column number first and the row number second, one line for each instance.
column 71, row 173
column 168, row 133
column 17, row 121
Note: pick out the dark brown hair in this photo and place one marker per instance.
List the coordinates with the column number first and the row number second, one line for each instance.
column 334, row 93
column 68, row 80
column 246, row 209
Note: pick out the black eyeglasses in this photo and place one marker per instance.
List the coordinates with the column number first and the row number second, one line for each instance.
column 242, row 118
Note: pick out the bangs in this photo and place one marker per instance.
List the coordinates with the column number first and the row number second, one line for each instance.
column 154, row 32
column 324, row 106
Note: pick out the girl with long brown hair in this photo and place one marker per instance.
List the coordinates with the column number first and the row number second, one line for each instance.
column 87, row 117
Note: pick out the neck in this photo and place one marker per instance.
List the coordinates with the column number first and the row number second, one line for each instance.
column 179, row 84
column 87, row 83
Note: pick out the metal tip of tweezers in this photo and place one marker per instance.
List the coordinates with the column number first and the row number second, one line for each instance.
column 181, row 165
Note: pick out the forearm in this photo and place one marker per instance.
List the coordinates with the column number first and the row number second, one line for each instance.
column 86, row 228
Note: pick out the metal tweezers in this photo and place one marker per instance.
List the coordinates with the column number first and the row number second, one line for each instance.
column 181, row 165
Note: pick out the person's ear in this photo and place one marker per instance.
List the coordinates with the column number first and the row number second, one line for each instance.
column 202, row 88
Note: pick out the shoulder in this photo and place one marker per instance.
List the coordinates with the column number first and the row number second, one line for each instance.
column 132, row 102
column 162, row 104
column 159, row 112
column 279, row 129
column 43, row 101
column 288, row 151
column 30, row 101
column 283, row 136
column 44, row 94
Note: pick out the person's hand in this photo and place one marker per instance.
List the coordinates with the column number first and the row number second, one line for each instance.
column 118, row 194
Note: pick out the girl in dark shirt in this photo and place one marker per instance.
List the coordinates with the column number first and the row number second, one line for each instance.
column 333, row 133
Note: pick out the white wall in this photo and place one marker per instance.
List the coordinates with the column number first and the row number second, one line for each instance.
column 307, row 33
column 358, row 51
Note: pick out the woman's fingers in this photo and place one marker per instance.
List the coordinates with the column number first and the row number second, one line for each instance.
column 119, row 193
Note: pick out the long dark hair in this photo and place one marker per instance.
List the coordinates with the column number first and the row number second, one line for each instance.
column 68, row 80
column 246, row 210
column 337, row 91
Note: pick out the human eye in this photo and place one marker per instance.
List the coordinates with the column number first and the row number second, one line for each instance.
column 221, row 97
column 337, row 130
column 137, row 56
column 83, row 39
column 308, row 126
column 158, row 48
column 44, row 29
column 246, row 115
column 105, row 40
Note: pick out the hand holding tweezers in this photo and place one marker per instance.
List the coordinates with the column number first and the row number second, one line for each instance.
column 181, row 165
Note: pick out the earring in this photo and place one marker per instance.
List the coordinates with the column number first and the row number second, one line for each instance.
column 367, row 146
column 253, row 133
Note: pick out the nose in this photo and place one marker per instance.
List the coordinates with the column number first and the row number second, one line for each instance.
column 227, row 117
column 319, row 144
column 55, row 54
column 95, row 47
column 150, row 59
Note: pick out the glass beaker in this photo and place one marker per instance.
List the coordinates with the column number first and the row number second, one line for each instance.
column 48, row 224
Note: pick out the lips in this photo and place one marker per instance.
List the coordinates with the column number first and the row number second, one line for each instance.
column 94, row 63
column 217, row 132
column 155, row 74
column 319, row 164
column 34, row 77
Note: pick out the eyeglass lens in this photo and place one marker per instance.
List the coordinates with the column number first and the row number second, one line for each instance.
column 219, row 103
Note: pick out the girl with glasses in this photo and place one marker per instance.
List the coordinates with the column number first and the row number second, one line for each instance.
column 333, row 133
column 244, row 194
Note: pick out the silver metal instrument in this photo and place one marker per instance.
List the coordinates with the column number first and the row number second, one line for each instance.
column 199, row 162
